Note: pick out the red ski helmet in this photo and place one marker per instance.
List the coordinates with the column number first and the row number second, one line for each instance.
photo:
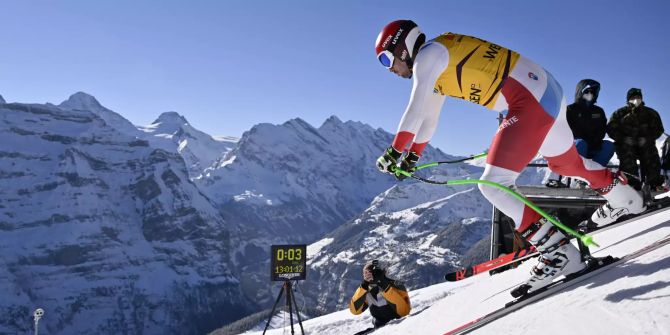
column 399, row 39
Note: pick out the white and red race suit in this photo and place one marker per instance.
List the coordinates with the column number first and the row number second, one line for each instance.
column 500, row 79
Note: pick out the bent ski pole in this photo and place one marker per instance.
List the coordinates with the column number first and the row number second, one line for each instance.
column 452, row 162
column 585, row 238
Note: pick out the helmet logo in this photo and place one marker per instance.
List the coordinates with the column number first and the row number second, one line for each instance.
column 404, row 55
column 395, row 38
column 386, row 41
column 397, row 35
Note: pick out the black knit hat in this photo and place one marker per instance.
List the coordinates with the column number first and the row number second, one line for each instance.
column 633, row 92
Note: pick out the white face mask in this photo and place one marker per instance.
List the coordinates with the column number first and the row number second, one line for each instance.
column 588, row 97
column 635, row 102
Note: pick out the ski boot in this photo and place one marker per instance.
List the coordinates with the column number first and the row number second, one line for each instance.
column 558, row 257
column 622, row 200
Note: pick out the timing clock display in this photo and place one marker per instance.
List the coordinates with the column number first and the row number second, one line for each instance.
column 288, row 262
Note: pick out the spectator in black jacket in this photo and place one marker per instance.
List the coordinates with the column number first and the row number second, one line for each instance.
column 589, row 123
column 634, row 129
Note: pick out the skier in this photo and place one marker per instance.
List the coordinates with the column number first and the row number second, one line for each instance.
column 634, row 129
column 387, row 298
column 500, row 79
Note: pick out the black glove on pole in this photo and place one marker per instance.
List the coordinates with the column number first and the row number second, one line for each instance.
column 408, row 164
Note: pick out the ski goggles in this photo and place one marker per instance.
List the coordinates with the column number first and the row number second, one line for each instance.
column 386, row 58
column 590, row 89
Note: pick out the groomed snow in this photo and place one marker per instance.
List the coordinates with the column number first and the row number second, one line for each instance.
column 631, row 298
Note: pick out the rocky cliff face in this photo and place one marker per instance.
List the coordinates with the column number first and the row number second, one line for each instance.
column 105, row 232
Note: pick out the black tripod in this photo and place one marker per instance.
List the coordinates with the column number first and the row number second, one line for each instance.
column 290, row 302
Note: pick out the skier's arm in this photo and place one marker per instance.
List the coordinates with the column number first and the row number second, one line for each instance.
column 357, row 305
column 433, row 106
column 419, row 121
column 396, row 294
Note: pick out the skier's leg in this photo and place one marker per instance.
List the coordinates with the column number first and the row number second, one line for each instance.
column 562, row 157
column 513, row 146
column 535, row 99
column 558, row 256
column 520, row 136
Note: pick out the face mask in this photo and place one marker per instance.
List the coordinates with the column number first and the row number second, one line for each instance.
column 635, row 102
column 588, row 97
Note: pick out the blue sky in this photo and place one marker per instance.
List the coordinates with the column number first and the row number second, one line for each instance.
column 227, row 65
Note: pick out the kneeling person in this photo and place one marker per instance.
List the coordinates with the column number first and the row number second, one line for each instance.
column 386, row 298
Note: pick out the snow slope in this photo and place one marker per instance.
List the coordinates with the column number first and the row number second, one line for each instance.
column 631, row 298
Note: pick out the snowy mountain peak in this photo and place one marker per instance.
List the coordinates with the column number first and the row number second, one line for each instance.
column 171, row 118
column 2, row 101
column 298, row 122
column 82, row 101
column 172, row 132
column 332, row 120
column 86, row 102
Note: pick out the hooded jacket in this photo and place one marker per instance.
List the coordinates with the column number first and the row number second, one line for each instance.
column 587, row 121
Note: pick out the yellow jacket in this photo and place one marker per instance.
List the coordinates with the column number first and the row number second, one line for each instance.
column 477, row 69
column 389, row 303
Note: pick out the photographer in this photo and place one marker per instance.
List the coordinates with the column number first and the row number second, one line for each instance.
column 386, row 298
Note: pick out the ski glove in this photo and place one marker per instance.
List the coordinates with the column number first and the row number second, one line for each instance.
column 389, row 160
column 408, row 164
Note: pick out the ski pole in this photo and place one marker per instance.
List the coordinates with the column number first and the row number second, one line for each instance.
column 585, row 238
column 454, row 161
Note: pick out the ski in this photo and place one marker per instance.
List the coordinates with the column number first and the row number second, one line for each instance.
column 492, row 264
column 366, row 331
column 529, row 252
column 555, row 287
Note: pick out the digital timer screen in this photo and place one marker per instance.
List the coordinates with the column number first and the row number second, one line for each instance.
column 289, row 262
